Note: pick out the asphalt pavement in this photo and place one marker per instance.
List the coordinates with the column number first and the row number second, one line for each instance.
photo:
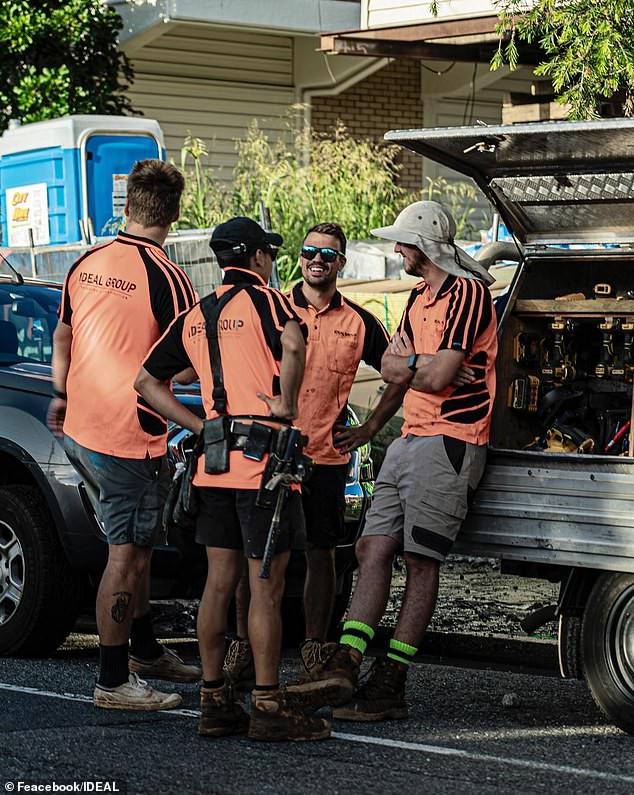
column 471, row 730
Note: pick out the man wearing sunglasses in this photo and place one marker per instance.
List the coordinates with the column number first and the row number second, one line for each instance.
column 341, row 334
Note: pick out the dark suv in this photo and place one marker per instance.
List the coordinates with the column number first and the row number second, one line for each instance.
column 52, row 549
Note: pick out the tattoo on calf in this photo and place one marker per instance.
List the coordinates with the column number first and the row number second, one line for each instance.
column 120, row 607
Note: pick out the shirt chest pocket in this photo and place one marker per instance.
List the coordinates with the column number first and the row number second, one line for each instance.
column 433, row 330
column 342, row 355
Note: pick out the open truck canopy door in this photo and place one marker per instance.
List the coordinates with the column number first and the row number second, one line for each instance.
column 552, row 182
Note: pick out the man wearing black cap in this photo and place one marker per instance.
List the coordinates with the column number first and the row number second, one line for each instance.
column 251, row 364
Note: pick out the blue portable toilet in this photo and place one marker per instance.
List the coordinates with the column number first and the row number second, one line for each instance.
column 64, row 180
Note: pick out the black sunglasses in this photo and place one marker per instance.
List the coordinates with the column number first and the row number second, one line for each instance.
column 327, row 254
column 272, row 250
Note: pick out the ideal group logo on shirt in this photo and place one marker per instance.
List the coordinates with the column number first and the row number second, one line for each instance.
column 224, row 325
column 124, row 286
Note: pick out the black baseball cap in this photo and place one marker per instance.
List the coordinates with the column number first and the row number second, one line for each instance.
column 243, row 230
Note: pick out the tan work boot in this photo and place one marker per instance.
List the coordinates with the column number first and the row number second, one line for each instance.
column 134, row 694
column 331, row 682
column 220, row 714
column 168, row 666
column 275, row 718
column 238, row 668
column 313, row 654
column 381, row 696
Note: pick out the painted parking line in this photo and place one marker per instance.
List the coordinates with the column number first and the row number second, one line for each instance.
column 470, row 756
column 435, row 750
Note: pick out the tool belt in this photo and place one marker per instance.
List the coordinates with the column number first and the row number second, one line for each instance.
column 225, row 434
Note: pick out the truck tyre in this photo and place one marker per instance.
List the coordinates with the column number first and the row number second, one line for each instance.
column 39, row 591
column 569, row 646
column 608, row 647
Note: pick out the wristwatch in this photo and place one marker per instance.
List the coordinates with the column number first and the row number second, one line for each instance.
column 411, row 361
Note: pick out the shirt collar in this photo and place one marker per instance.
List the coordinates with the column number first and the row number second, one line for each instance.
column 235, row 275
column 299, row 299
column 126, row 237
column 445, row 287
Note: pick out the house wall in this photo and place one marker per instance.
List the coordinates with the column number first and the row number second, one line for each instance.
column 388, row 99
column 213, row 82
column 390, row 13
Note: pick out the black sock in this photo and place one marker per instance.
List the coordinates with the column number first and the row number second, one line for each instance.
column 213, row 684
column 266, row 688
column 113, row 662
column 143, row 644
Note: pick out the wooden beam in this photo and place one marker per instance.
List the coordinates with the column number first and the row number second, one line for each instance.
column 426, row 31
column 469, row 53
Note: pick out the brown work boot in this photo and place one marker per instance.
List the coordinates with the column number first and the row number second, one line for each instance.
column 220, row 714
column 313, row 655
column 381, row 696
column 331, row 682
column 275, row 718
column 238, row 668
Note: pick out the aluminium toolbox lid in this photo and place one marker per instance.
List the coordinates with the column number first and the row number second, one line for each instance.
column 68, row 131
column 561, row 182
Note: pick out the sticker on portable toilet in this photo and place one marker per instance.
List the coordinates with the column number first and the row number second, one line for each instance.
column 119, row 193
column 27, row 215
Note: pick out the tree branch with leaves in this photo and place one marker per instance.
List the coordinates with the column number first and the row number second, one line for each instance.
column 587, row 44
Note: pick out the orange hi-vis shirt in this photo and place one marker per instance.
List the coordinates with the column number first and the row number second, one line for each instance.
column 250, row 330
column 118, row 299
column 339, row 337
column 462, row 318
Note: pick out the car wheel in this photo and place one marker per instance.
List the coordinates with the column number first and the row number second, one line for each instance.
column 608, row 647
column 39, row 591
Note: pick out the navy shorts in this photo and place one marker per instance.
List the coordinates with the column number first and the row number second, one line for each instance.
column 128, row 494
column 230, row 519
column 323, row 499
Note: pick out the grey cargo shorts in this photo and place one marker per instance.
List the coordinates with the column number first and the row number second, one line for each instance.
column 422, row 491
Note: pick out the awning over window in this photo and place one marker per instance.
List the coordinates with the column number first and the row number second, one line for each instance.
column 472, row 40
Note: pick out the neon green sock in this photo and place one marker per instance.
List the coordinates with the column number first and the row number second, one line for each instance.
column 401, row 652
column 356, row 634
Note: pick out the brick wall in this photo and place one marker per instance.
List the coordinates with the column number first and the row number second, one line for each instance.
column 387, row 100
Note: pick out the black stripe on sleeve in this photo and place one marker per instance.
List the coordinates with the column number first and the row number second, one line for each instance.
column 169, row 355
column 375, row 339
column 65, row 311
column 285, row 312
column 168, row 297
column 270, row 327
column 469, row 314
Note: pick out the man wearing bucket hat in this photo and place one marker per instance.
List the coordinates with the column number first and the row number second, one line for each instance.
column 444, row 350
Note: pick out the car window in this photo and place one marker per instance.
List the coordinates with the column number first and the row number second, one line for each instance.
column 28, row 316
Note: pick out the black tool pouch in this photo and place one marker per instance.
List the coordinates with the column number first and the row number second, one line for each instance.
column 181, row 505
column 217, row 440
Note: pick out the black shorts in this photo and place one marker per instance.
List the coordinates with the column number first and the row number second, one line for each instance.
column 323, row 499
column 230, row 519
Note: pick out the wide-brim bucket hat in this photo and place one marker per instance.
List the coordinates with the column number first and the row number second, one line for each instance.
column 429, row 227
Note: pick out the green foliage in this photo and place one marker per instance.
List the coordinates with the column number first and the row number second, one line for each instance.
column 59, row 57
column 310, row 179
column 588, row 48
column 307, row 179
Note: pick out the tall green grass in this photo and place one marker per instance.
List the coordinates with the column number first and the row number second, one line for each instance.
column 303, row 180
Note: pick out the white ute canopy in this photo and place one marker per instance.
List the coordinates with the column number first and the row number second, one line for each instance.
column 552, row 182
